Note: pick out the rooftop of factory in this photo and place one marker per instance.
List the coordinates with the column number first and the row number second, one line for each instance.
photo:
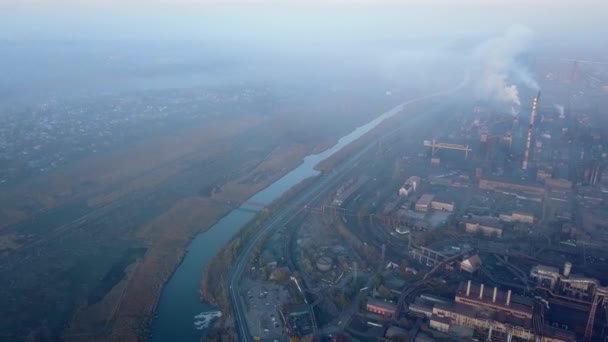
column 546, row 270
column 513, row 186
column 481, row 313
column 471, row 264
column 381, row 304
column 516, row 304
column 425, row 199
column 486, row 221
column 447, row 247
column 429, row 298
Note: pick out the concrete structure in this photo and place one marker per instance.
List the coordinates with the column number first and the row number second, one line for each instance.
column 523, row 217
column 440, row 323
column 495, row 300
column 542, row 174
column 510, row 188
column 405, row 190
column 485, row 225
column 436, row 146
column 546, row 276
column 567, row 269
column 410, row 186
column 471, row 264
column 576, row 287
column 424, row 203
column 570, row 285
column 385, row 309
column 438, row 204
column 420, row 309
column 495, row 314
column 324, row 264
column 524, row 165
column 558, row 183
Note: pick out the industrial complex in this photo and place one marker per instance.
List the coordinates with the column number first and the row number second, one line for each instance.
column 492, row 226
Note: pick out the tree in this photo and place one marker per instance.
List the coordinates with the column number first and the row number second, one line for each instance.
column 279, row 275
column 343, row 300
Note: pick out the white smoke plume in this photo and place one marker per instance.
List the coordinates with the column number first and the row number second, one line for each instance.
column 495, row 59
column 560, row 110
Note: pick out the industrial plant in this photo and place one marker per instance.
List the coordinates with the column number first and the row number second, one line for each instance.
column 481, row 229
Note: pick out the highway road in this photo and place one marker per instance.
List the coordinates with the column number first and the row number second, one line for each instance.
column 323, row 184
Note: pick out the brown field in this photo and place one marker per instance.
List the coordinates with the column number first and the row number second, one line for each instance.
column 87, row 248
column 141, row 166
column 125, row 312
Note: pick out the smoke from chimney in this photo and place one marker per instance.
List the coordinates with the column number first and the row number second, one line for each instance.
column 497, row 60
column 560, row 110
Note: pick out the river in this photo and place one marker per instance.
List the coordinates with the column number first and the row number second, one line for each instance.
column 180, row 300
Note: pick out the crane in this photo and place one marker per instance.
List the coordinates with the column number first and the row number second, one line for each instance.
column 436, row 146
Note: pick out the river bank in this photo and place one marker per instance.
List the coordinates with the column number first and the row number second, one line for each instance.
column 212, row 290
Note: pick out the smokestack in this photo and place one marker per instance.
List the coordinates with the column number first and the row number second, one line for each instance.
column 508, row 297
column 524, row 166
column 468, row 288
column 481, row 292
column 494, row 295
column 567, row 269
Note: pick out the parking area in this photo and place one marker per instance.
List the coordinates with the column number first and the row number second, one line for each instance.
column 262, row 303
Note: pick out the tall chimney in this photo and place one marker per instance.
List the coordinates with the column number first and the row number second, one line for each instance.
column 508, row 297
column 468, row 288
column 524, row 166
column 494, row 295
column 481, row 292
column 567, row 269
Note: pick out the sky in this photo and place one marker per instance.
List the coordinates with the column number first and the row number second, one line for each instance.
column 282, row 39
column 245, row 19
column 316, row 3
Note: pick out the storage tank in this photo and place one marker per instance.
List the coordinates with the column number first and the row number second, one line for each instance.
column 324, row 264
column 567, row 269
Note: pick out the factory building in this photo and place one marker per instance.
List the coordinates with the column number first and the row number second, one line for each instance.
column 381, row 308
column 486, row 225
column 423, row 305
column 518, row 216
column 574, row 286
column 497, row 314
column 523, row 217
column 524, row 190
column 471, row 264
column 419, row 309
column 410, row 186
column 493, row 299
column 558, row 183
column 443, row 205
column 546, row 276
column 566, row 284
column 405, row 190
column 424, row 203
